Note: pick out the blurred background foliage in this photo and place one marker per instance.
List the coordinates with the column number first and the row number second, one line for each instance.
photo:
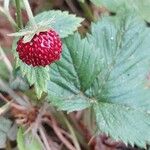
column 83, row 8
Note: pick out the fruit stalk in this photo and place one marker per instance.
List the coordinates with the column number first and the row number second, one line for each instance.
column 19, row 17
column 9, row 17
column 87, row 10
column 30, row 14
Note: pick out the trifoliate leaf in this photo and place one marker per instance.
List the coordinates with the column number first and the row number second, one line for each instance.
column 5, row 125
column 27, row 141
column 73, row 74
column 122, row 88
column 61, row 21
column 112, row 76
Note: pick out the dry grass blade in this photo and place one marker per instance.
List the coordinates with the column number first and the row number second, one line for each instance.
column 5, row 108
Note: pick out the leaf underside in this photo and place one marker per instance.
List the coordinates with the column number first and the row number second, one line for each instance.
column 108, row 71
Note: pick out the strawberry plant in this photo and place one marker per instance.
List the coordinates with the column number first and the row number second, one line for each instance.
column 76, row 81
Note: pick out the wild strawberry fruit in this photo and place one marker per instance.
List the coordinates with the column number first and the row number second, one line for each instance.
column 44, row 49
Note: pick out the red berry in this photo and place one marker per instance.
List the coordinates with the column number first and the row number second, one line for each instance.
column 44, row 49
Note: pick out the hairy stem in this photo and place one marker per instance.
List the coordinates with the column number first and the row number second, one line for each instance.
column 19, row 16
column 6, row 60
column 60, row 136
column 87, row 11
column 10, row 19
column 5, row 10
column 72, row 7
column 74, row 138
column 30, row 14
column 43, row 136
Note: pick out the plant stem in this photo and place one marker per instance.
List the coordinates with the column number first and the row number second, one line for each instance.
column 6, row 60
column 19, row 16
column 7, row 13
column 72, row 6
column 60, row 136
column 78, row 132
column 19, row 107
column 10, row 19
column 74, row 138
column 87, row 10
column 41, row 131
column 8, row 145
column 30, row 14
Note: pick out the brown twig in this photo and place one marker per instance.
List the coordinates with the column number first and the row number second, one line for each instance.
column 72, row 7
column 48, row 122
column 12, row 104
column 54, row 145
column 78, row 115
column 60, row 136
column 44, row 139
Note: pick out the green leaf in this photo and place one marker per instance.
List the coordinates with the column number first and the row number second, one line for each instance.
column 141, row 6
column 37, row 76
column 121, row 90
column 110, row 70
column 123, row 123
column 20, row 139
column 74, row 74
column 74, row 103
column 19, row 83
column 27, row 141
column 63, row 22
column 5, row 125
